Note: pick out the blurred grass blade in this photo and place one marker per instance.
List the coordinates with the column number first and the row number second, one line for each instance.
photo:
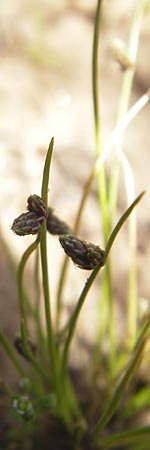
column 134, row 362
column 125, row 438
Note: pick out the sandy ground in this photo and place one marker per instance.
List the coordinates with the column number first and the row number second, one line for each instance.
column 45, row 91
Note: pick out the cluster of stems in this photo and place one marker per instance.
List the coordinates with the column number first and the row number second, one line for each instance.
column 40, row 219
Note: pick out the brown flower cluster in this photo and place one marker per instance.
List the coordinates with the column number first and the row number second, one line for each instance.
column 85, row 255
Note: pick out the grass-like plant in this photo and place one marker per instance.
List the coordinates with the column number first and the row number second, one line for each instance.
column 46, row 379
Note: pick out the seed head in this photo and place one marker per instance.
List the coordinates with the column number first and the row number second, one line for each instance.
column 36, row 204
column 85, row 255
column 55, row 225
column 19, row 346
column 27, row 223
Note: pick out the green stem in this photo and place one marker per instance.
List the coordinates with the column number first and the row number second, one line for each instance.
column 125, row 94
column 107, row 251
column 13, row 268
column 44, row 263
column 102, row 191
column 24, row 327
column 74, row 318
column 95, row 83
column 37, row 316
column 114, row 178
column 45, row 281
column 10, row 352
column 120, row 223
column 95, row 64
column 45, row 181
column 23, row 261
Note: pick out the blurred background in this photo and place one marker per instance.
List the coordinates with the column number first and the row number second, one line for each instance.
column 45, row 91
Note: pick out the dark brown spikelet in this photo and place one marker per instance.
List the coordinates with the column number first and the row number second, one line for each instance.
column 27, row 223
column 19, row 346
column 85, row 255
column 55, row 225
column 36, row 204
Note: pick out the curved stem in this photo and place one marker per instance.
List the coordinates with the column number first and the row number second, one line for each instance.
column 74, row 317
column 120, row 223
column 23, row 261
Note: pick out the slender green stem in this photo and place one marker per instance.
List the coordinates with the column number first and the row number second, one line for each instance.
column 106, row 320
column 120, row 223
column 75, row 316
column 45, row 281
column 45, row 181
column 95, row 64
column 109, row 244
column 102, row 191
column 10, row 352
column 13, row 267
column 125, row 94
column 24, row 328
column 44, row 262
column 96, row 104
column 101, row 329
column 37, row 316
column 23, row 261
column 53, row 351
